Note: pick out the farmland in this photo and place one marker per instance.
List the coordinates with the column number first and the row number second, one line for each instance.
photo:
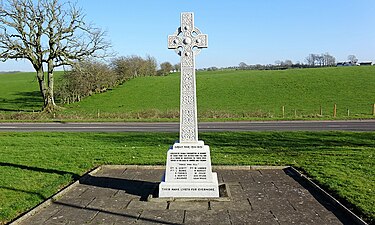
column 222, row 95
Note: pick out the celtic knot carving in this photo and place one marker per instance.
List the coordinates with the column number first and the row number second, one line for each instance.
column 187, row 61
column 187, row 100
column 187, row 37
column 188, row 117
column 188, row 134
column 187, row 41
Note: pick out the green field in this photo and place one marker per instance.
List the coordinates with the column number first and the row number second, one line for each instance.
column 223, row 95
column 33, row 166
column 244, row 94
column 19, row 92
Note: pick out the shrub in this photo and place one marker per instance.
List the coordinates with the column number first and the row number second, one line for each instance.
column 84, row 79
column 130, row 67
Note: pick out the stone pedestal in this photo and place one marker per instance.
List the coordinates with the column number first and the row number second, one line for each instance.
column 188, row 172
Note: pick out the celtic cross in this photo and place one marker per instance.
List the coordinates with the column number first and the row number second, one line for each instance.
column 187, row 42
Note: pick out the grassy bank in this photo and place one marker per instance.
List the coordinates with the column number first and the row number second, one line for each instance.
column 36, row 165
column 244, row 94
column 222, row 95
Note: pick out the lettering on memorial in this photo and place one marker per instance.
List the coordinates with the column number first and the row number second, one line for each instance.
column 189, row 189
column 188, row 156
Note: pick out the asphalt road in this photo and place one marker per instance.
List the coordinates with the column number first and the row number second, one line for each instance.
column 352, row 125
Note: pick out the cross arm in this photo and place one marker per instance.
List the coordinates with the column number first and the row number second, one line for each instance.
column 201, row 41
column 174, row 41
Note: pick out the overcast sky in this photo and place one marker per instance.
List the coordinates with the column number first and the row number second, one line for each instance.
column 238, row 30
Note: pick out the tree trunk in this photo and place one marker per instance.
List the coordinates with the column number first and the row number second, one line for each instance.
column 42, row 84
column 46, row 89
column 49, row 101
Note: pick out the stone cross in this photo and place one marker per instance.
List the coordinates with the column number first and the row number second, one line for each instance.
column 187, row 42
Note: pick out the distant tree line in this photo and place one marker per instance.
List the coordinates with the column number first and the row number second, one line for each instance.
column 92, row 76
column 130, row 67
column 312, row 60
column 316, row 60
column 279, row 65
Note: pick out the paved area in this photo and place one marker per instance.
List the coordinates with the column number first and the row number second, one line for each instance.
column 118, row 195
column 333, row 125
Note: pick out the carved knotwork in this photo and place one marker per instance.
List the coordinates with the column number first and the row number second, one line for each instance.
column 187, row 41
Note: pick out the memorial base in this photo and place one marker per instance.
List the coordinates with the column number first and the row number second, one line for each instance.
column 189, row 190
column 188, row 172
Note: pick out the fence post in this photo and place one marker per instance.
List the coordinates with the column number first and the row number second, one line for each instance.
column 283, row 109
column 321, row 111
column 373, row 109
column 295, row 113
column 335, row 111
column 98, row 113
column 347, row 110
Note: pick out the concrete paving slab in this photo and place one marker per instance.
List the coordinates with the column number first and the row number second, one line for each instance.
column 239, row 217
column 190, row 206
column 114, row 218
column 213, row 217
column 162, row 217
column 68, row 215
column 120, row 195
column 136, row 204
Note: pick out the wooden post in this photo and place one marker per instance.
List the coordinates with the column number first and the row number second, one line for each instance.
column 335, row 111
column 373, row 109
column 283, row 111
column 321, row 111
column 295, row 113
column 98, row 113
column 347, row 110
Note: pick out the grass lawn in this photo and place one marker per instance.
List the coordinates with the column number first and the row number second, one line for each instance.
column 33, row 166
column 222, row 95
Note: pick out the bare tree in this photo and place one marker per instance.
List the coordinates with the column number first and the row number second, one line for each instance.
column 278, row 62
column 320, row 60
column 288, row 63
column 129, row 67
column 177, row 67
column 311, row 59
column 165, row 68
column 328, row 59
column 242, row 66
column 49, row 34
column 150, row 66
column 84, row 79
column 352, row 59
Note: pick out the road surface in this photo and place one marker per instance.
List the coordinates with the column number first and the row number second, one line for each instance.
column 351, row 125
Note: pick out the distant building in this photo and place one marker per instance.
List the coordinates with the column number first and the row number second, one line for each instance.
column 368, row 63
column 346, row 64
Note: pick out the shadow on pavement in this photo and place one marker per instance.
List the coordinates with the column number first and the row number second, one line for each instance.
column 134, row 187
column 138, row 217
column 344, row 216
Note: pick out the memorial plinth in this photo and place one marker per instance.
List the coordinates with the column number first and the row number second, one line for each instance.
column 188, row 172
column 188, row 168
